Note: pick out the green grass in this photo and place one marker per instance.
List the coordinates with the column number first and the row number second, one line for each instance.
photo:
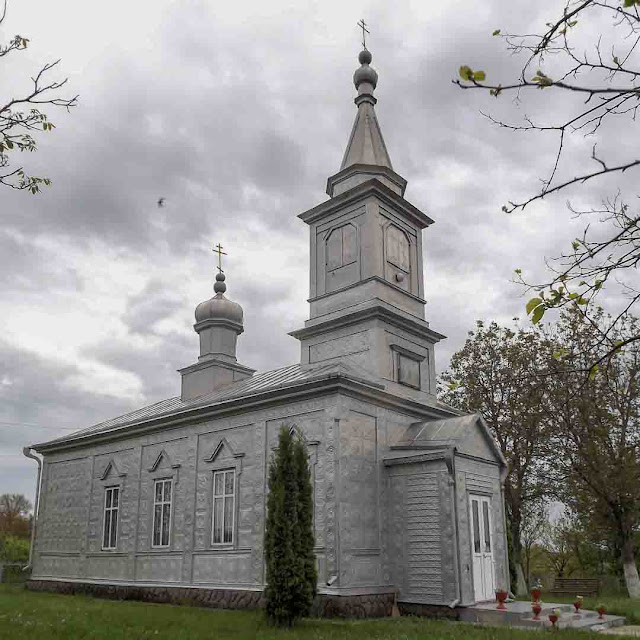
column 26, row 616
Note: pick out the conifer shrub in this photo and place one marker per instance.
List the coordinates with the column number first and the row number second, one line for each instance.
column 291, row 568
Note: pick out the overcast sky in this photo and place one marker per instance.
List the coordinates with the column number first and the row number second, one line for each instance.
column 236, row 113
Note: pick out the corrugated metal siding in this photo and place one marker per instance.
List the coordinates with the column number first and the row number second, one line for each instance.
column 424, row 562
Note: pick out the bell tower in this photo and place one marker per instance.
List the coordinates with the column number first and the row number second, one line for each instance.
column 367, row 306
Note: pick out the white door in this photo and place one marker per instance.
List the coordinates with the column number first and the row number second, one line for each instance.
column 482, row 547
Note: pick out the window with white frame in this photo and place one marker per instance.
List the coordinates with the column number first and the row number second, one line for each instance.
column 111, row 505
column 223, row 506
column 162, row 513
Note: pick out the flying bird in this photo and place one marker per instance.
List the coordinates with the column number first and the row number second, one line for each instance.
column 161, row 202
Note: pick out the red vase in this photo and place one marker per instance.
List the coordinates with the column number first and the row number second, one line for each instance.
column 536, row 608
column 578, row 605
column 535, row 595
column 601, row 611
column 501, row 596
column 553, row 618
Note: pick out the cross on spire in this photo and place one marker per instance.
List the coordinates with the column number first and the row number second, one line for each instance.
column 220, row 252
column 363, row 25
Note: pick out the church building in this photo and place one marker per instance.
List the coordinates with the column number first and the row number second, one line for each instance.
column 167, row 503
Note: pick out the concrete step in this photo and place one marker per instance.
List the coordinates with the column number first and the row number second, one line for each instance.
column 587, row 620
column 519, row 614
column 488, row 612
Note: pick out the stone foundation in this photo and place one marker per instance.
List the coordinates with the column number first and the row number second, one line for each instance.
column 437, row 611
column 327, row 606
column 215, row 598
column 374, row 605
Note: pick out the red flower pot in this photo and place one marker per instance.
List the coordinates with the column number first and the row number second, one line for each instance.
column 535, row 595
column 578, row 605
column 501, row 596
column 553, row 619
column 601, row 611
column 536, row 608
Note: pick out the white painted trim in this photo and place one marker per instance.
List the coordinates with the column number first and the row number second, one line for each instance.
column 104, row 516
column 224, row 496
column 153, row 512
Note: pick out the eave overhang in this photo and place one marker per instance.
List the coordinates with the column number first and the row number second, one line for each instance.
column 324, row 385
column 370, row 187
column 364, row 170
column 416, row 326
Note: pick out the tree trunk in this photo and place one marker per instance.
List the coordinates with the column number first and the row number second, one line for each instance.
column 630, row 569
column 521, row 583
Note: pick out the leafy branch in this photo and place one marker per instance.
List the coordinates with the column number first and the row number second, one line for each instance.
column 617, row 95
column 21, row 118
column 600, row 84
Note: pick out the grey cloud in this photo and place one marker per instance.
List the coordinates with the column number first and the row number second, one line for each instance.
column 153, row 304
column 154, row 363
column 39, row 404
column 35, row 390
column 27, row 267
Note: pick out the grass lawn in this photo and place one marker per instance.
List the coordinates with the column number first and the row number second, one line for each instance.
column 26, row 616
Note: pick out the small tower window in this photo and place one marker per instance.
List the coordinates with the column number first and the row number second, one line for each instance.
column 398, row 249
column 407, row 366
column 408, row 371
column 342, row 247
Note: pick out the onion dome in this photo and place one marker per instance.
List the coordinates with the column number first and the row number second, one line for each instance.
column 218, row 307
column 365, row 73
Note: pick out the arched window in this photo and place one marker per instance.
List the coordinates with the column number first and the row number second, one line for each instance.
column 397, row 248
column 342, row 247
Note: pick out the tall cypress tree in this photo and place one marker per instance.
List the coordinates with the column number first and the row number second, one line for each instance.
column 306, row 539
column 291, row 574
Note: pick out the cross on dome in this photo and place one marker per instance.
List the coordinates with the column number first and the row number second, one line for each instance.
column 218, row 249
column 363, row 25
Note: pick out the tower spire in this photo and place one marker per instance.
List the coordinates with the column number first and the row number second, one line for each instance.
column 366, row 155
column 366, row 144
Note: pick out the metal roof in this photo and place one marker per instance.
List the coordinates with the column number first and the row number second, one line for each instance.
column 269, row 380
column 449, row 432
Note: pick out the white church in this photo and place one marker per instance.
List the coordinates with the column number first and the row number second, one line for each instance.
column 167, row 503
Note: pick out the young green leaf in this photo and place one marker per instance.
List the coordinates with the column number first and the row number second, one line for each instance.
column 538, row 313
column 532, row 304
column 465, row 72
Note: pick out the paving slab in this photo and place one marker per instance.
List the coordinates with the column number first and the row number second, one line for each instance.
column 624, row 630
column 519, row 614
